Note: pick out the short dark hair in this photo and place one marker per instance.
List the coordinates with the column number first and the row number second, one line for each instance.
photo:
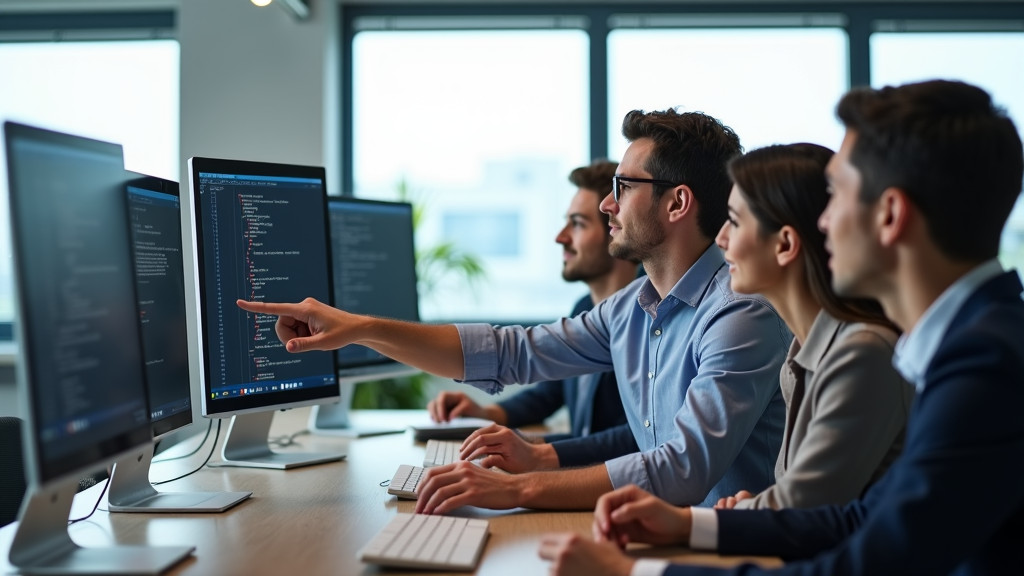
column 957, row 156
column 596, row 177
column 785, row 185
column 690, row 148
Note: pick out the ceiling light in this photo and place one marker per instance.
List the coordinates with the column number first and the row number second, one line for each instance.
column 299, row 9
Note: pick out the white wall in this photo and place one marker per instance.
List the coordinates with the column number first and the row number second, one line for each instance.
column 257, row 84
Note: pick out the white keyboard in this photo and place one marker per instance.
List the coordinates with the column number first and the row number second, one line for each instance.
column 441, row 452
column 403, row 484
column 406, row 479
column 427, row 542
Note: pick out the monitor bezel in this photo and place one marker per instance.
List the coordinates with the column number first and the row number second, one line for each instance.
column 225, row 407
column 164, row 426
column 376, row 369
column 39, row 473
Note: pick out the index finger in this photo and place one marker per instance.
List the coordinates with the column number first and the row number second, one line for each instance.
column 425, row 489
column 275, row 308
column 476, row 434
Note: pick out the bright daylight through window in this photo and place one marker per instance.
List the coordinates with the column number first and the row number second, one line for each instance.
column 124, row 92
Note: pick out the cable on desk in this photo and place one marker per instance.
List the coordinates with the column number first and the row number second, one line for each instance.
column 209, row 426
column 385, row 483
column 94, row 506
column 286, row 439
column 208, row 456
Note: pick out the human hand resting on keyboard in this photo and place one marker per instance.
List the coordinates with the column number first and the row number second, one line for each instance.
column 571, row 554
column 501, row 447
column 445, row 488
column 450, row 404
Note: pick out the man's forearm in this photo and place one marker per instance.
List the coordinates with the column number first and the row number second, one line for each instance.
column 436, row 349
column 571, row 489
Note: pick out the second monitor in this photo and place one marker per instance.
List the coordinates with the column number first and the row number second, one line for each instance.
column 154, row 212
column 374, row 267
column 260, row 233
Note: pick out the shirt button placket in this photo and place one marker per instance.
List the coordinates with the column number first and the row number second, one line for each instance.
column 656, row 332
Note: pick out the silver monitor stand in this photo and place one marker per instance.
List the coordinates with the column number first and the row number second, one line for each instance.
column 131, row 491
column 246, row 445
column 42, row 544
column 338, row 419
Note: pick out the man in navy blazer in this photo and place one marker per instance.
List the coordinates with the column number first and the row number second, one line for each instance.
column 921, row 188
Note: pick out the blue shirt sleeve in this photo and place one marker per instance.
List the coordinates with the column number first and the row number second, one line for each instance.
column 536, row 403
column 498, row 356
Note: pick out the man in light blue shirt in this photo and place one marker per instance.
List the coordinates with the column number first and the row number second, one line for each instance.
column 697, row 365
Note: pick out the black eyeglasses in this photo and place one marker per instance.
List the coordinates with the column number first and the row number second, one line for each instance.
column 618, row 180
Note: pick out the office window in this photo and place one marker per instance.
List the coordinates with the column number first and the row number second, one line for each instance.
column 772, row 85
column 982, row 58
column 480, row 129
column 119, row 91
column 773, row 71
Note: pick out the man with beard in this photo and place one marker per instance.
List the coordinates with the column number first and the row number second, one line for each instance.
column 697, row 365
column 592, row 400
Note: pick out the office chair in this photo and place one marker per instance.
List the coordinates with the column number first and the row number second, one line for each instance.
column 12, row 469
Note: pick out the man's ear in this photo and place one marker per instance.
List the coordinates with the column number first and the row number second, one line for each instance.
column 892, row 215
column 682, row 202
column 787, row 246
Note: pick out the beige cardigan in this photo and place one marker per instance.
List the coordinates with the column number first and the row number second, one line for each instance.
column 846, row 413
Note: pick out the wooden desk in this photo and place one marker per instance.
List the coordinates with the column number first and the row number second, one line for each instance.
column 313, row 520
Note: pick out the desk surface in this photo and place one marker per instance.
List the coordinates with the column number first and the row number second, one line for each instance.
column 313, row 520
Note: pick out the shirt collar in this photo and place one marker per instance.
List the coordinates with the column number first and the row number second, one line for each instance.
column 819, row 339
column 691, row 287
column 915, row 349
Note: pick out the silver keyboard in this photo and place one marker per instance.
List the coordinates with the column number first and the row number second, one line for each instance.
column 403, row 484
column 441, row 452
column 428, row 542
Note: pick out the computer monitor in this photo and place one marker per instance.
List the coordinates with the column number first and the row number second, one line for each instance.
column 80, row 369
column 154, row 214
column 374, row 267
column 260, row 232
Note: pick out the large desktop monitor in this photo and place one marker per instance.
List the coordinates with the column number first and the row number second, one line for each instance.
column 374, row 268
column 80, row 369
column 260, row 233
column 154, row 215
